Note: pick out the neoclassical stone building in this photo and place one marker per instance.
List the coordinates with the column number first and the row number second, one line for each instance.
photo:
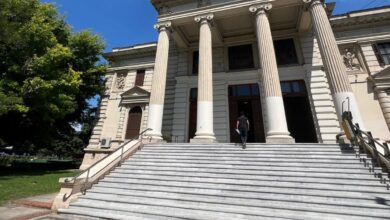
column 290, row 65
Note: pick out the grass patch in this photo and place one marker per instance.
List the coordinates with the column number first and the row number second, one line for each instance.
column 21, row 184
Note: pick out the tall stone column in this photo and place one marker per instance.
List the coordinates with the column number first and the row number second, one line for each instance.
column 205, row 122
column 384, row 101
column 276, row 130
column 157, row 95
column 335, row 70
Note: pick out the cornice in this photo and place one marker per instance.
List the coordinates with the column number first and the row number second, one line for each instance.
column 348, row 21
column 139, row 50
column 212, row 9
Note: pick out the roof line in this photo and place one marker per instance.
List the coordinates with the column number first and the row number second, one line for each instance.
column 361, row 10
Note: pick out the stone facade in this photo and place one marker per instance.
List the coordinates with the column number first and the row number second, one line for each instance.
column 340, row 60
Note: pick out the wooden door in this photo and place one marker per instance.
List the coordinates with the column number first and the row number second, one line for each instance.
column 133, row 122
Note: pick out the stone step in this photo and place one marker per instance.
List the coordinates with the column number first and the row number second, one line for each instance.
column 170, row 212
column 239, row 147
column 98, row 213
column 249, row 153
column 311, row 205
column 254, row 157
column 303, row 145
column 259, row 210
column 299, row 167
column 209, row 182
column 264, row 162
column 228, row 172
column 349, row 199
column 286, row 178
column 223, row 181
column 231, row 191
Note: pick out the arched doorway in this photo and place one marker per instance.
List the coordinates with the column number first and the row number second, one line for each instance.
column 133, row 122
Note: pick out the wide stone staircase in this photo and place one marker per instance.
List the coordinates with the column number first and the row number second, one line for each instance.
column 223, row 181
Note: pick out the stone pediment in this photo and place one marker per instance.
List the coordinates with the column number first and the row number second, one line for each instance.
column 135, row 95
column 382, row 74
column 381, row 79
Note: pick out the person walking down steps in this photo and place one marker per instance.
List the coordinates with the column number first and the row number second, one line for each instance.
column 243, row 128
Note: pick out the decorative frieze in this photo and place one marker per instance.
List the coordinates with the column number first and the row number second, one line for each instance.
column 203, row 3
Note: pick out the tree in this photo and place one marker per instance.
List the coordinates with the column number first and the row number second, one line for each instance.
column 47, row 75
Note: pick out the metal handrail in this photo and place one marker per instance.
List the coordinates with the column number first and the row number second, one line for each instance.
column 87, row 171
column 366, row 142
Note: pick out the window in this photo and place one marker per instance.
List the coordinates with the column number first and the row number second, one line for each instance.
column 241, row 57
column 382, row 52
column 139, row 79
column 295, row 87
column 285, row 52
column 244, row 90
column 195, row 62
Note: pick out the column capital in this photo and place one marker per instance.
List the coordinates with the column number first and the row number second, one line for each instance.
column 205, row 17
column 160, row 26
column 260, row 8
column 313, row 2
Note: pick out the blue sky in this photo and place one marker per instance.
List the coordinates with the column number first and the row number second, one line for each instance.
column 123, row 23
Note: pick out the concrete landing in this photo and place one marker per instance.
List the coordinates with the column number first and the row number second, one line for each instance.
column 27, row 208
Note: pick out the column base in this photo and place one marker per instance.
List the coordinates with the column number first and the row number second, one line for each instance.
column 345, row 101
column 203, row 139
column 153, row 140
column 279, row 139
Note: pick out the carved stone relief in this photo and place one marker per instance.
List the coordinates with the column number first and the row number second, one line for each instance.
column 203, row 3
column 120, row 81
column 351, row 58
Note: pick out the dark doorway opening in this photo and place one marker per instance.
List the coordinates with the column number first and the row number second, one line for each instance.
column 246, row 98
column 193, row 112
column 133, row 122
column 298, row 112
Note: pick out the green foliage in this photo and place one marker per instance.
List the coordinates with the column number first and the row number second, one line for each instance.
column 47, row 75
column 17, row 184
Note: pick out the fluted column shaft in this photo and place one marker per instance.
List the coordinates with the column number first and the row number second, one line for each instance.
column 384, row 101
column 276, row 128
column 204, row 126
column 335, row 69
column 157, row 95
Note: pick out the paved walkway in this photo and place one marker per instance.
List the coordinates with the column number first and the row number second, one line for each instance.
column 27, row 208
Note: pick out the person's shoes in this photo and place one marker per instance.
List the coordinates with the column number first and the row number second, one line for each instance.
column 243, row 146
